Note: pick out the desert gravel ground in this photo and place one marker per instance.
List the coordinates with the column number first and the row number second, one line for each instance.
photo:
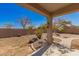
column 17, row 46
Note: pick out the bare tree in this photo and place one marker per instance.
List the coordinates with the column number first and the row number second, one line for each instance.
column 24, row 22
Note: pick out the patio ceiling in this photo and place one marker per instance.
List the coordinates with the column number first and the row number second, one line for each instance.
column 51, row 9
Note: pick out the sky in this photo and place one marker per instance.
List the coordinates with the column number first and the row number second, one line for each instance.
column 10, row 13
column 73, row 17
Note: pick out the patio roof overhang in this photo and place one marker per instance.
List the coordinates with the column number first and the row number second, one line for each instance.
column 51, row 9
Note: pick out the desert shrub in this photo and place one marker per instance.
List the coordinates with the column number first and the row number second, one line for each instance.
column 30, row 28
column 39, row 32
column 61, row 29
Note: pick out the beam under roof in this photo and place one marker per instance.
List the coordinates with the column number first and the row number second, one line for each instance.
column 74, row 7
column 36, row 7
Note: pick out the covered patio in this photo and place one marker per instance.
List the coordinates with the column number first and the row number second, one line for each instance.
column 51, row 10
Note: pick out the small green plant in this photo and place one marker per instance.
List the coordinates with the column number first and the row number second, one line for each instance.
column 61, row 29
column 39, row 32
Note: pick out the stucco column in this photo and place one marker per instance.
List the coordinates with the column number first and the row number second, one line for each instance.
column 49, row 30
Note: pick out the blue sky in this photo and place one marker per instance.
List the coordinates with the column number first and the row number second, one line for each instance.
column 10, row 13
column 73, row 17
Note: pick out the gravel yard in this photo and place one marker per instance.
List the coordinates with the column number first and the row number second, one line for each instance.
column 18, row 46
column 15, row 45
